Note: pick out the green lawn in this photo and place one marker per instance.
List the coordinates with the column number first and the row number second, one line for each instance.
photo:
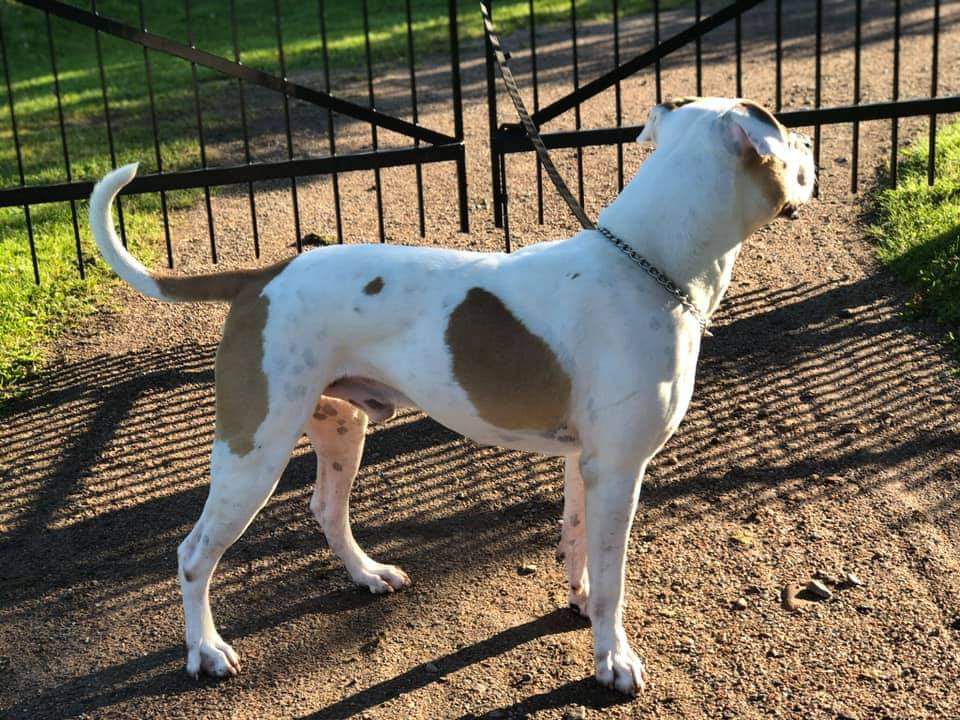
column 918, row 229
column 29, row 315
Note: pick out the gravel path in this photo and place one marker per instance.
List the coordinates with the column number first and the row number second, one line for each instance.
column 823, row 436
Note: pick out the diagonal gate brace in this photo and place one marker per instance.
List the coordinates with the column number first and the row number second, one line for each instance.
column 642, row 60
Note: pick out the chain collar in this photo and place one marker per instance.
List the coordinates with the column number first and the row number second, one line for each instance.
column 662, row 280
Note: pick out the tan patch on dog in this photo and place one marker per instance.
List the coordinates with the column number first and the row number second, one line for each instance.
column 770, row 175
column 511, row 376
column 241, row 386
column 223, row 286
column 374, row 286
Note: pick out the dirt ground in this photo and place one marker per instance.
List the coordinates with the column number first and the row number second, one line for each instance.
column 823, row 437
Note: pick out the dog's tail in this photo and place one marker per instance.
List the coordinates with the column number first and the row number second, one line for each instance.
column 224, row 286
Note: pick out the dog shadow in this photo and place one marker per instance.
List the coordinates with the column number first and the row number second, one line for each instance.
column 583, row 692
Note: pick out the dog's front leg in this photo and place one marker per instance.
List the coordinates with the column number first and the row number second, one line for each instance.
column 573, row 537
column 611, row 491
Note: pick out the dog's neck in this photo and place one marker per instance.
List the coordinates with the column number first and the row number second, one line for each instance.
column 683, row 215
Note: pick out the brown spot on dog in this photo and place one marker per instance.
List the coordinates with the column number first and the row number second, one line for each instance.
column 374, row 286
column 512, row 377
column 329, row 409
column 770, row 175
column 241, row 396
column 319, row 416
column 338, row 467
column 342, row 430
column 341, row 422
column 222, row 286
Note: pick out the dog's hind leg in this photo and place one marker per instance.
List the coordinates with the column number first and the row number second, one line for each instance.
column 239, row 487
column 573, row 537
column 337, row 430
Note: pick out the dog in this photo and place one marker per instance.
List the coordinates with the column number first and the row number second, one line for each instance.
column 563, row 348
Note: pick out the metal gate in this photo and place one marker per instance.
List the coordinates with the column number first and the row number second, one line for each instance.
column 509, row 138
column 427, row 145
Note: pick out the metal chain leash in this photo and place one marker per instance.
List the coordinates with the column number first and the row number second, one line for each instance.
column 534, row 136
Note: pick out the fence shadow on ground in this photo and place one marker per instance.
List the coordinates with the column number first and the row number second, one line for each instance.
column 804, row 394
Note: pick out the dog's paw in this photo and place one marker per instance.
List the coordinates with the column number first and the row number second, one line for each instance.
column 621, row 669
column 381, row 578
column 212, row 656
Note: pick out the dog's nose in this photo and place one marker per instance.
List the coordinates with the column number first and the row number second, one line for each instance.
column 789, row 211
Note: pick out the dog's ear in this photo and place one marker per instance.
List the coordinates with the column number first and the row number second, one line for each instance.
column 749, row 129
column 654, row 118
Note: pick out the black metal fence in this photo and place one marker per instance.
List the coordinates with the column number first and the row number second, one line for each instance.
column 508, row 138
column 427, row 144
column 627, row 50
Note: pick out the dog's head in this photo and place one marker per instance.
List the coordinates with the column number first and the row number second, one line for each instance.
column 776, row 163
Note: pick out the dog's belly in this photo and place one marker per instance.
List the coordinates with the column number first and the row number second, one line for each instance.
column 381, row 401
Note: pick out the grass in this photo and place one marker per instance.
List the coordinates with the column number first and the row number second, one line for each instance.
column 918, row 229
column 31, row 315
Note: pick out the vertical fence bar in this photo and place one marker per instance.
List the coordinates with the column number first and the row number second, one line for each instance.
column 779, row 52
column 656, row 41
column 63, row 141
column 413, row 100
column 492, row 124
column 156, row 138
column 855, row 160
column 373, row 128
column 699, row 49
column 243, row 124
column 536, row 98
column 576, row 86
column 294, row 197
column 738, row 30
column 331, row 128
column 16, row 147
column 200, row 138
column 817, row 90
column 894, row 125
column 617, row 95
column 107, row 120
column 457, row 92
column 934, row 71
column 503, row 192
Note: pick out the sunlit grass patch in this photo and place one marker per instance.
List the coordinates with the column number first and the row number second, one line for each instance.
column 917, row 229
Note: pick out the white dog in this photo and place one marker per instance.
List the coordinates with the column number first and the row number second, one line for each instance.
column 564, row 348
